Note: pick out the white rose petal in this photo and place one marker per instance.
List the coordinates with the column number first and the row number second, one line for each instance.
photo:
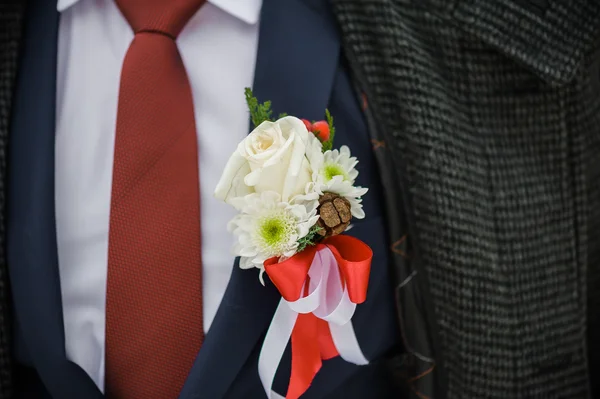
column 276, row 156
column 229, row 186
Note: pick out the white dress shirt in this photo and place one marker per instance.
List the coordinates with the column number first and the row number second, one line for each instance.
column 218, row 47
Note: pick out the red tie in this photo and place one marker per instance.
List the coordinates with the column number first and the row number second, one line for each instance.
column 154, row 289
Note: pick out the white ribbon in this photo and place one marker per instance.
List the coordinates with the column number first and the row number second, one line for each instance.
column 328, row 301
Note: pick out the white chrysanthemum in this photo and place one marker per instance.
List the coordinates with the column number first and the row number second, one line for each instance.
column 267, row 227
column 316, row 158
column 336, row 173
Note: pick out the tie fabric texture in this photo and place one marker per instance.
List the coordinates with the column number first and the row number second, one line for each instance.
column 154, row 288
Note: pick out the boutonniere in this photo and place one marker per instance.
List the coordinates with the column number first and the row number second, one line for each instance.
column 296, row 195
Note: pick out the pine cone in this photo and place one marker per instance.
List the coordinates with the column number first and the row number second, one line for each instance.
column 335, row 214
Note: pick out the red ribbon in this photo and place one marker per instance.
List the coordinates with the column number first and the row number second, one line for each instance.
column 311, row 338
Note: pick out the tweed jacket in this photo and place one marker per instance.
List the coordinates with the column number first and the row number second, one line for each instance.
column 485, row 118
column 490, row 113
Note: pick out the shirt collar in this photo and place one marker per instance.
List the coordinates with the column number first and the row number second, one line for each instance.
column 246, row 10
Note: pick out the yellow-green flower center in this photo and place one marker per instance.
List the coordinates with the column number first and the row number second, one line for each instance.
column 271, row 231
column 330, row 170
column 274, row 232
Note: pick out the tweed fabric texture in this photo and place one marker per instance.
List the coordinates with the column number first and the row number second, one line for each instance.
column 415, row 368
column 10, row 32
column 488, row 105
column 593, row 90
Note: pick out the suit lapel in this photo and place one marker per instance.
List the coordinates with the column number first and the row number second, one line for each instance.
column 297, row 58
column 31, row 233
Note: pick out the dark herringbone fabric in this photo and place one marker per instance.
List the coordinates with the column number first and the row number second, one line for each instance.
column 594, row 237
column 10, row 31
column 486, row 107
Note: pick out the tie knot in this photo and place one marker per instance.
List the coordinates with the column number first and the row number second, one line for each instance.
column 167, row 17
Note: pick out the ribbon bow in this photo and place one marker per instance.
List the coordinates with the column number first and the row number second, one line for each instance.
column 320, row 288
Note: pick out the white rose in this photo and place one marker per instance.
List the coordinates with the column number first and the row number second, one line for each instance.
column 274, row 157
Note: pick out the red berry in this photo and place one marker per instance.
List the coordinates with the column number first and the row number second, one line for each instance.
column 308, row 125
column 321, row 129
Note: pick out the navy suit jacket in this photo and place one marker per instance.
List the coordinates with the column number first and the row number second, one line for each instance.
column 300, row 67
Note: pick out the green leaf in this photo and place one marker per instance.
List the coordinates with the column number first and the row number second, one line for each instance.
column 282, row 115
column 258, row 112
column 312, row 238
column 328, row 145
